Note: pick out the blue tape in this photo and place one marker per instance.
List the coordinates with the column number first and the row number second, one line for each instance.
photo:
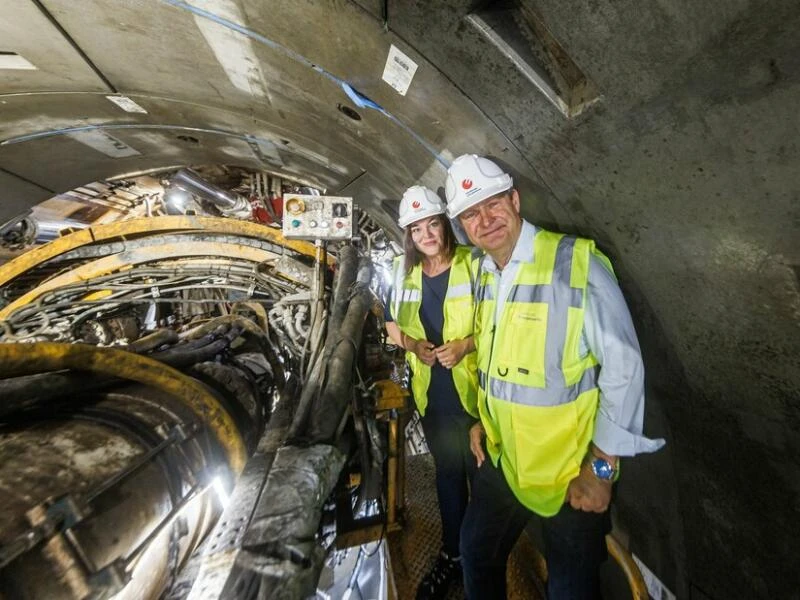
column 356, row 97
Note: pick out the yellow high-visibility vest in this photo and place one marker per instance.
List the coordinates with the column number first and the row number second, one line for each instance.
column 458, row 324
column 537, row 395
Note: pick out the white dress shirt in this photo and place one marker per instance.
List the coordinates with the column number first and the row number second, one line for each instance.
column 608, row 332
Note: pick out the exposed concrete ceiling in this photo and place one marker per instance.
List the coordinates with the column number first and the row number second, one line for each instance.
column 685, row 171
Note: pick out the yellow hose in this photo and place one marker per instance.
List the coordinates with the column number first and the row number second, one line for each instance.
column 622, row 557
column 629, row 567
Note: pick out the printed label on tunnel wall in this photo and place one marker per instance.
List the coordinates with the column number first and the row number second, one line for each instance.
column 399, row 70
column 656, row 589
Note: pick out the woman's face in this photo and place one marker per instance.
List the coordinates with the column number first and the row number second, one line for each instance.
column 428, row 236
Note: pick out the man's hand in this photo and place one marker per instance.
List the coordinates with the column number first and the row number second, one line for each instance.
column 450, row 354
column 424, row 350
column 476, row 435
column 587, row 492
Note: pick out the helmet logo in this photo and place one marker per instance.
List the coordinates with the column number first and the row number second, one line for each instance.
column 466, row 184
column 415, row 204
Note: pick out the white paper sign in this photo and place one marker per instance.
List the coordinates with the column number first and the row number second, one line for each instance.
column 11, row 60
column 126, row 104
column 399, row 70
column 655, row 589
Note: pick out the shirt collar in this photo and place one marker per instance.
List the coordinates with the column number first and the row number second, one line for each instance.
column 523, row 249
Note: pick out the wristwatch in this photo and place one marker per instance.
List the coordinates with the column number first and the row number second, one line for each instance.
column 603, row 469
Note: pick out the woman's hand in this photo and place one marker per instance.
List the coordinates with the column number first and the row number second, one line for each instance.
column 423, row 349
column 451, row 353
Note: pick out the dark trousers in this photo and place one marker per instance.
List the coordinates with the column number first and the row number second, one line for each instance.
column 448, row 441
column 574, row 542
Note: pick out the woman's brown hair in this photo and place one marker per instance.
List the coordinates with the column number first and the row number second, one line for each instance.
column 413, row 257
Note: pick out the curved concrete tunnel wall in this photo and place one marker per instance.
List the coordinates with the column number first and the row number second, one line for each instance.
column 685, row 172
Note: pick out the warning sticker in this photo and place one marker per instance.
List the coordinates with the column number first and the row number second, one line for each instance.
column 399, row 70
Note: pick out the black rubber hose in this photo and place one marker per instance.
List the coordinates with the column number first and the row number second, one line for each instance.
column 340, row 303
column 24, row 393
column 328, row 410
column 345, row 277
column 249, row 330
column 153, row 341
column 179, row 358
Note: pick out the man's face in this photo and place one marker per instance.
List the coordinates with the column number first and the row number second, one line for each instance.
column 493, row 225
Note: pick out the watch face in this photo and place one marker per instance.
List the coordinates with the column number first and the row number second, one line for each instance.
column 603, row 469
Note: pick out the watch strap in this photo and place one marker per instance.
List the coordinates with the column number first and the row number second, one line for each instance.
column 603, row 469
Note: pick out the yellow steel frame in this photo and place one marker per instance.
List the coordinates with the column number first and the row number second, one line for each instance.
column 632, row 573
column 620, row 555
column 166, row 224
column 115, row 262
column 391, row 405
column 393, row 396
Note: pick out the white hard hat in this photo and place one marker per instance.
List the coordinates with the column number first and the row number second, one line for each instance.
column 419, row 203
column 472, row 179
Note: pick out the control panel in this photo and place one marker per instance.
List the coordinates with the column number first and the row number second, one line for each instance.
column 317, row 217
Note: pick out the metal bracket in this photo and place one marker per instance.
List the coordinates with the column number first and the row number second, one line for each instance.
column 57, row 515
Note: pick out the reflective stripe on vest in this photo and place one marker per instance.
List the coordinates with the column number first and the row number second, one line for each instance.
column 531, row 396
column 460, row 290
column 537, row 396
column 458, row 324
column 531, row 293
column 411, row 296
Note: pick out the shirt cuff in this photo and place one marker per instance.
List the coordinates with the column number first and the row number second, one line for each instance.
column 616, row 441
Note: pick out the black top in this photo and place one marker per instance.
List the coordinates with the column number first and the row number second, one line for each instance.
column 442, row 395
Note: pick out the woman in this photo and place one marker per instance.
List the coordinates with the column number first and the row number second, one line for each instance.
column 430, row 316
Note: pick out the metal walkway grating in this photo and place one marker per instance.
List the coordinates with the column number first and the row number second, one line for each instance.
column 413, row 549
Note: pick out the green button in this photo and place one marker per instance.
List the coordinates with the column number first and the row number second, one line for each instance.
column 296, row 223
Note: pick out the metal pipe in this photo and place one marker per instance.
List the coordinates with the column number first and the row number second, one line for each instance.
column 111, row 473
column 188, row 180
column 402, row 421
column 299, row 319
column 114, row 492
column 29, row 359
column 391, row 468
column 288, row 325
column 318, row 320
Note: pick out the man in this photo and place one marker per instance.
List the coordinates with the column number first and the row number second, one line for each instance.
column 561, row 389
